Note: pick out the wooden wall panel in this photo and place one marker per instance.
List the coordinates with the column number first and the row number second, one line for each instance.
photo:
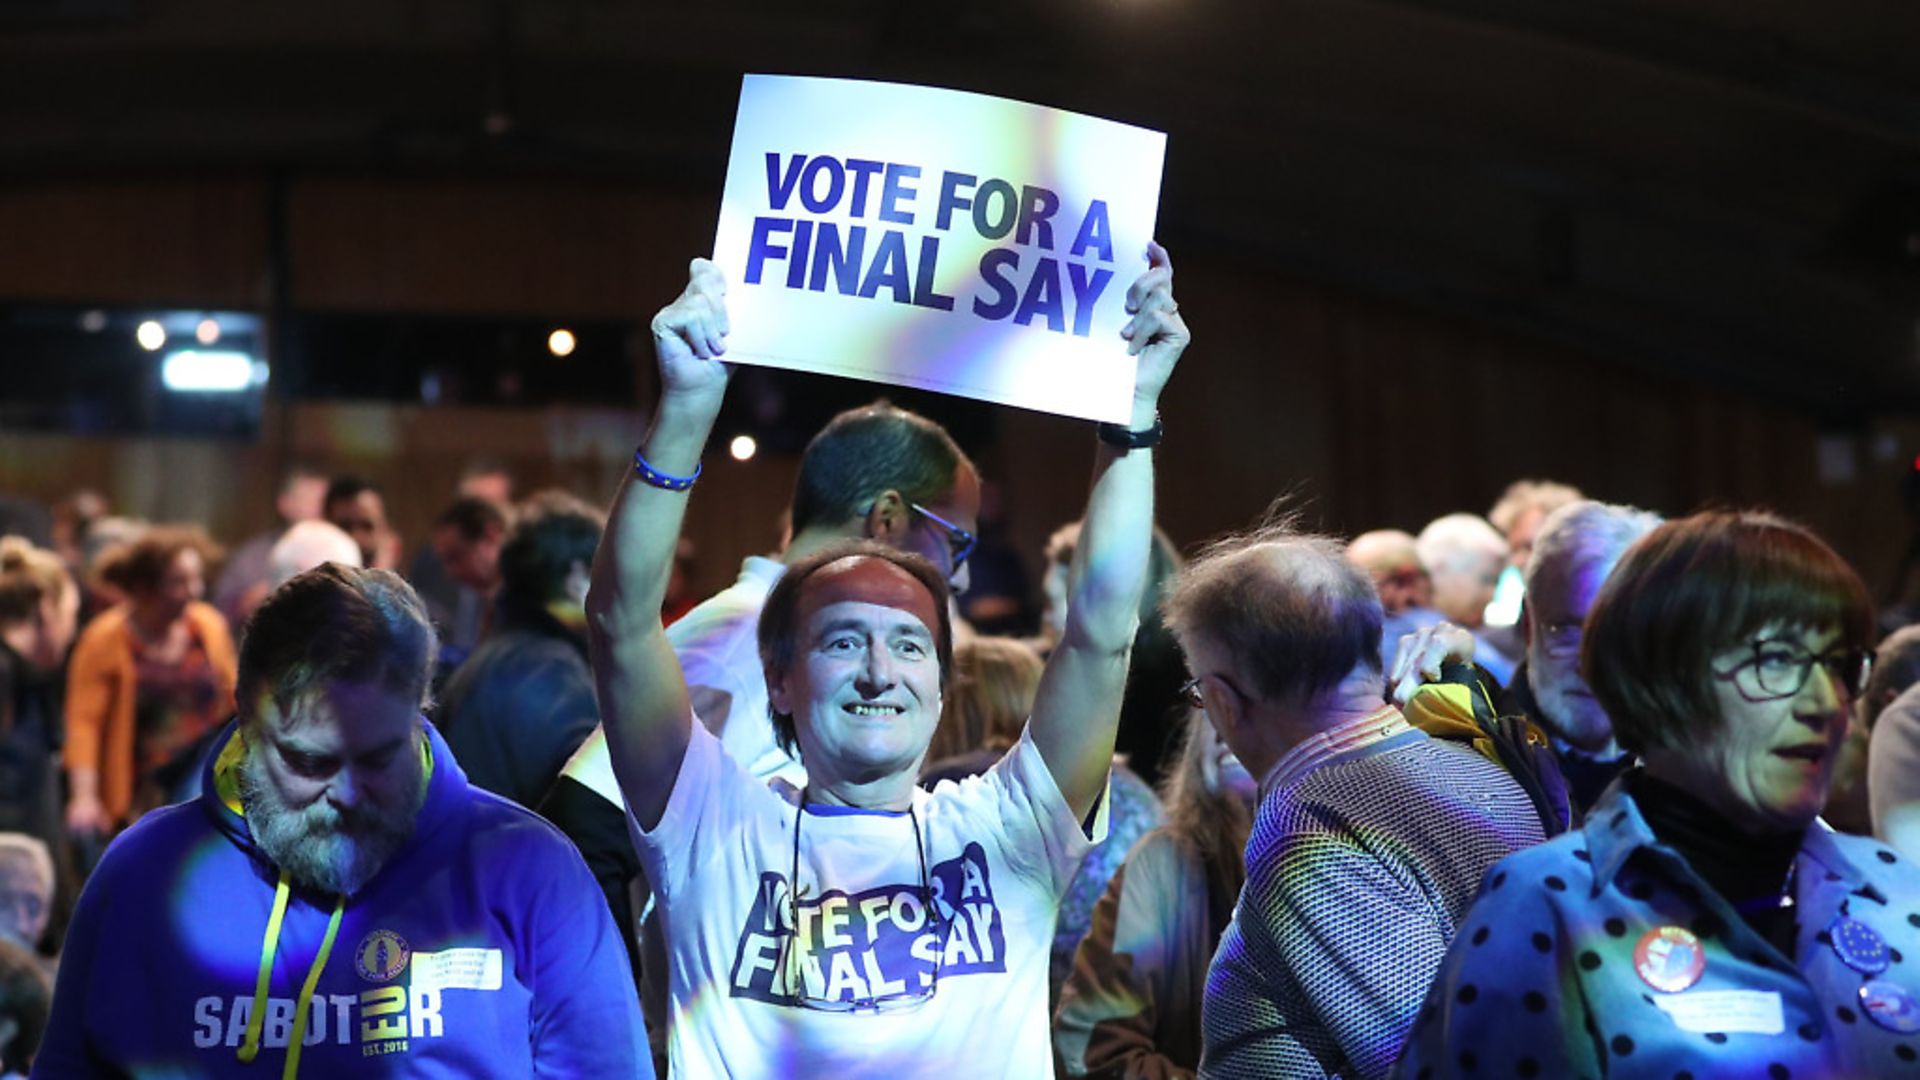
column 1369, row 413
column 565, row 249
column 187, row 241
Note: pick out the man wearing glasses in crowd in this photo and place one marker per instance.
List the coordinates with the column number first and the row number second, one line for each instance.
column 860, row 926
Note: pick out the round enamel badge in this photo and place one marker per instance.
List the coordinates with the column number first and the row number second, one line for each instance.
column 1858, row 946
column 381, row 955
column 1888, row 1004
column 1669, row 959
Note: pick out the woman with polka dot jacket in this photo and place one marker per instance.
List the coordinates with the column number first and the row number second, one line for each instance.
column 1703, row 922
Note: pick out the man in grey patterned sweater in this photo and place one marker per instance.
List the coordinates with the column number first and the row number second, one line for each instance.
column 1370, row 837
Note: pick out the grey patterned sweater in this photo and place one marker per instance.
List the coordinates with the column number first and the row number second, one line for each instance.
column 1364, row 856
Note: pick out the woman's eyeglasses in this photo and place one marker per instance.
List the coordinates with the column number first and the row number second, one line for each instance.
column 1780, row 669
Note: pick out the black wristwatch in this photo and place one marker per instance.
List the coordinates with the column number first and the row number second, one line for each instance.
column 1123, row 438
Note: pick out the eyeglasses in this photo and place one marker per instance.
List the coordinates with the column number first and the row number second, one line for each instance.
column 904, row 1001
column 1780, row 669
column 960, row 542
column 1562, row 640
column 1191, row 691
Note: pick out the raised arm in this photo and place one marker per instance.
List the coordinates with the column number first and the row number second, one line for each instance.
column 1077, row 708
column 642, row 692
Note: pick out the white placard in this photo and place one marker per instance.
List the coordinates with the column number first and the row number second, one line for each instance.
column 1730, row 1012
column 937, row 239
column 456, row 969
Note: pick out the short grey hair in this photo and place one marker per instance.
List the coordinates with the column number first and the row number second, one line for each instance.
column 1587, row 533
column 305, row 545
column 1457, row 542
column 1293, row 614
column 33, row 850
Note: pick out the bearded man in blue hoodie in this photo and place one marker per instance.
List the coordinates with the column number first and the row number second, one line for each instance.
column 339, row 896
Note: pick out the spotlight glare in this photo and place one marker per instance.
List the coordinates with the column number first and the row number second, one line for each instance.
column 151, row 335
column 191, row 371
column 743, row 447
column 208, row 331
column 560, row 342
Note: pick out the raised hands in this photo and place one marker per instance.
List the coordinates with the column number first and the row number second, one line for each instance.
column 690, row 335
column 1156, row 333
column 1421, row 655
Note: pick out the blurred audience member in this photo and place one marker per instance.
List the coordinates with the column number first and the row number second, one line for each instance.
column 1464, row 556
column 1896, row 666
column 244, row 580
column 26, row 892
column 981, row 718
column 994, row 679
column 1519, row 514
column 1131, row 1007
column 1889, row 717
column 465, row 543
column 150, row 680
column 523, row 702
column 1370, row 838
column 486, row 478
column 1150, row 715
column 101, row 545
column 1406, row 593
column 305, row 546
column 1522, row 510
column 72, row 517
column 39, row 604
column 360, row 511
column 1576, row 548
column 458, row 569
column 26, row 997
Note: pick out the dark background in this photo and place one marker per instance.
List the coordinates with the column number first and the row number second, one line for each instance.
column 1667, row 251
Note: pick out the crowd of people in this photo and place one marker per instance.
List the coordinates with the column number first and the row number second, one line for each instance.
column 1564, row 790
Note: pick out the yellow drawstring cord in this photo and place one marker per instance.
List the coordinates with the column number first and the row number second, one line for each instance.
column 258, row 1018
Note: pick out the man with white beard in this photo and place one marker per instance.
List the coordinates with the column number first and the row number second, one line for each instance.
column 1574, row 551
column 340, row 893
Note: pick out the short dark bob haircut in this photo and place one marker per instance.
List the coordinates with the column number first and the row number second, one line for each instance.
column 1692, row 589
column 779, row 630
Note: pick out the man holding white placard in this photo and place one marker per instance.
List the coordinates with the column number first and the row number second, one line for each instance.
column 863, row 925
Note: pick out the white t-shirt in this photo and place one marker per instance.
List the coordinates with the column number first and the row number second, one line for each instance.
column 1000, row 850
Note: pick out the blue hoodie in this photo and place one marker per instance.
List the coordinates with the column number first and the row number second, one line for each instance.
column 482, row 949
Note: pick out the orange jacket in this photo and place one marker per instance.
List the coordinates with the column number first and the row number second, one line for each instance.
column 101, row 694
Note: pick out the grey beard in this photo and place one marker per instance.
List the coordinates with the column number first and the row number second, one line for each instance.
column 319, row 847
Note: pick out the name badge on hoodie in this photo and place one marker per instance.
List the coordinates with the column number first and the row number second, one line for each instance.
column 457, row 969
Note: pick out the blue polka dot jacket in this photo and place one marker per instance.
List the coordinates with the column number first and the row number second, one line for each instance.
column 1602, row 954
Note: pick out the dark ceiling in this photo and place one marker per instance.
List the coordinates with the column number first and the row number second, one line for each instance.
column 1729, row 188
